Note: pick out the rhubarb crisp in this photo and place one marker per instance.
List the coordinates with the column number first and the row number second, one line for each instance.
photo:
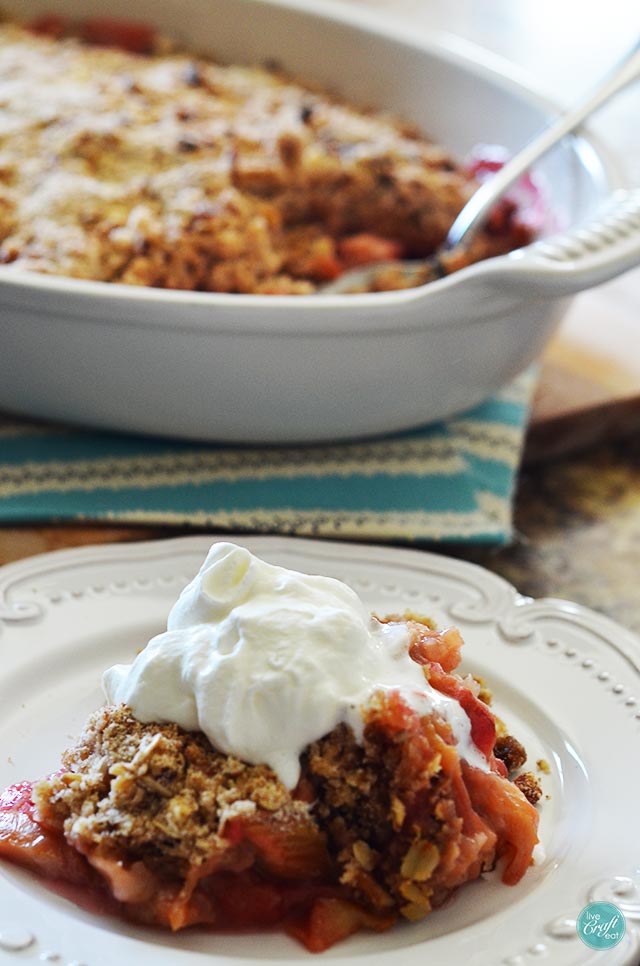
column 173, row 833
column 125, row 160
column 279, row 757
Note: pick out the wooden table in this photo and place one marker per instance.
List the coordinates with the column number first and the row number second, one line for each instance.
column 578, row 515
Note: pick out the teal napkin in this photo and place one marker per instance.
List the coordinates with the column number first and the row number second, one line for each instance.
column 451, row 481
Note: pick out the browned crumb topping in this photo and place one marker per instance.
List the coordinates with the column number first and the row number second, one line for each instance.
column 389, row 850
column 529, row 786
column 154, row 790
column 383, row 813
column 180, row 173
column 543, row 765
column 157, row 793
column 509, row 750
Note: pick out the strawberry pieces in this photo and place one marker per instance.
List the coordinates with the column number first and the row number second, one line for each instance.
column 137, row 38
column 366, row 248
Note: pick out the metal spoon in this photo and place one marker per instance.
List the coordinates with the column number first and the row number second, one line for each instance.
column 472, row 216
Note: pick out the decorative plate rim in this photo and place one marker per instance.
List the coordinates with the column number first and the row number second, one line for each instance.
column 47, row 586
column 614, row 635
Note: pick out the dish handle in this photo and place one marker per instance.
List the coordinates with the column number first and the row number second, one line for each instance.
column 585, row 256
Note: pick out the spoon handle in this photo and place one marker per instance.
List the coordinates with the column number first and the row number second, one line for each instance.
column 478, row 206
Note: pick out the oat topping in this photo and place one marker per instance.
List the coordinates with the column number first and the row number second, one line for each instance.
column 173, row 171
column 158, row 796
column 154, row 790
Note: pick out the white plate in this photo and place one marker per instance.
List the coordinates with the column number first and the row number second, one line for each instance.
column 565, row 679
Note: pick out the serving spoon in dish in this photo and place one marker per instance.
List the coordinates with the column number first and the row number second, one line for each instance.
column 478, row 207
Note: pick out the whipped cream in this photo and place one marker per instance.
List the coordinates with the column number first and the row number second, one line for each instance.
column 265, row 660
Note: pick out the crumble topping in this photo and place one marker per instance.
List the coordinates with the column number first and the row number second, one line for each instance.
column 529, row 786
column 509, row 750
column 173, row 171
column 388, row 849
column 154, row 790
column 157, row 795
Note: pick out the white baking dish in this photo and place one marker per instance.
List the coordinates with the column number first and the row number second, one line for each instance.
column 305, row 368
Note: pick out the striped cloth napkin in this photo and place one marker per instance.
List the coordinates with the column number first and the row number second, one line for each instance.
column 451, row 481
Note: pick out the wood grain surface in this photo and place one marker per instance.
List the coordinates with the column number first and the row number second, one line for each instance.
column 589, row 386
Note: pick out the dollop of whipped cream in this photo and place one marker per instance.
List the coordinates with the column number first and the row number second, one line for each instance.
column 265, row 660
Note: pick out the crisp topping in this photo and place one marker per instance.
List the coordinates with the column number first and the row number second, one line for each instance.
column 173, row 171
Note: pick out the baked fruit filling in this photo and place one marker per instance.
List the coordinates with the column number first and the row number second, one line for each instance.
column 171, row 832
column 150, row 166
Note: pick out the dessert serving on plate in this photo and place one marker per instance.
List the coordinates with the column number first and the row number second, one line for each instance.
column 154, row 167
column 278, row 757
